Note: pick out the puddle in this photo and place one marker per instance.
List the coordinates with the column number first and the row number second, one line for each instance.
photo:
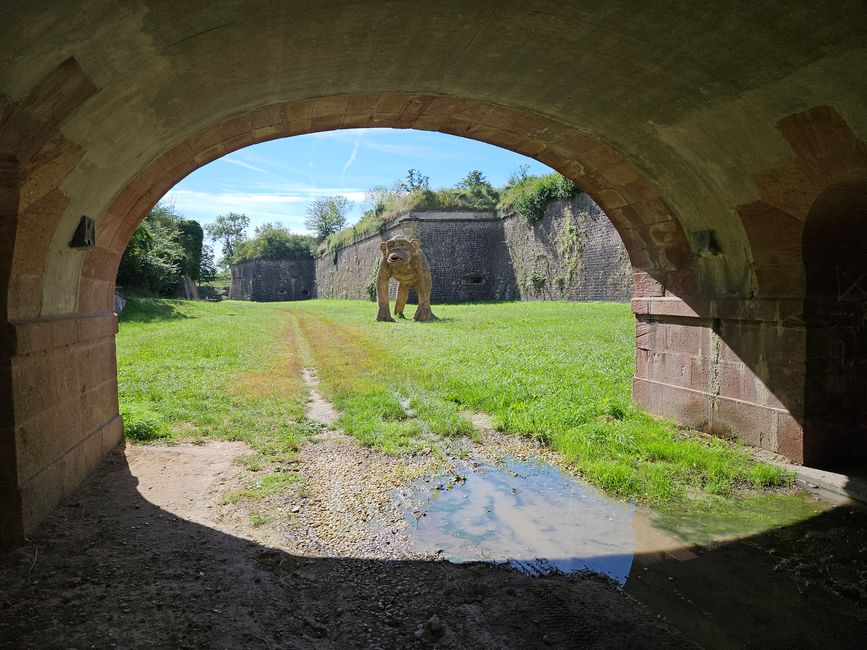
column 529, row 514
column 542, row 520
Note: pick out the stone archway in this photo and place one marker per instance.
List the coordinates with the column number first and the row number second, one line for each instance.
column 706, row 157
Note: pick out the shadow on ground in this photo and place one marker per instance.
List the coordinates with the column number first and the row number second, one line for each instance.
column 110, row 568
column 150, row 311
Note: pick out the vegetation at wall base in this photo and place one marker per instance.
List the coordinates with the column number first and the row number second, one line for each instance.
column 231, row 371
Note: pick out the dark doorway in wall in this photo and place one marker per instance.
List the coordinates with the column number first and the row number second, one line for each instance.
column 835, row 311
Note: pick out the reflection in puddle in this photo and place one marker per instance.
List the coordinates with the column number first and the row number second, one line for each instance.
column 529, row 514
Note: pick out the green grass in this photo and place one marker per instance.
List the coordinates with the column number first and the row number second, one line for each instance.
column 560, row 372
column 192, row 371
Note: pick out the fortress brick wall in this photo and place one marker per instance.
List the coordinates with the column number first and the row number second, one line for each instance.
column 573, row 253
column 273, row 280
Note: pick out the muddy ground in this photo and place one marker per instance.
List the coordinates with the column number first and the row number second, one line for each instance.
column 148, row 554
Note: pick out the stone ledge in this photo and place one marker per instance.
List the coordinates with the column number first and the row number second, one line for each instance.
column 758, row 310
column 44, row 334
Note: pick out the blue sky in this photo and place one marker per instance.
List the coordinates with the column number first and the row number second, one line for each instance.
column 275, row 181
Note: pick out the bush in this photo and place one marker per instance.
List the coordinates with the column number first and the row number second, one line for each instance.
column 530, row 195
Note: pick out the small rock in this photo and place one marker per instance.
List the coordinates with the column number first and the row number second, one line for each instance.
column 435, row 625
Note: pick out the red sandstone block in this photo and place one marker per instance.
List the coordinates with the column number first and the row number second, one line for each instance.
column 784, row 388
column 96, row 295
column 681, row 283
column 99, row 405
column 325, row 123
column 739, row 382
column 610, row 199
column 775, row 236
column 671, row 369
column 650, row 335
column 749, row 422
column 112, row 434
column 46, row 170
column 45, row 437
column 645, row 285
column 576, row 142
column 24, row 299
column 33, row 234
column 685, row 406
column 97, row 326
column 81, row 460
column 40, row 494
column 700, row 374
column 790, row 437
column 37, row 336
column 679, row 308
column 688, row 338
column 239, row 141
column 780, row 280
column 642, row 361
column 96, row 364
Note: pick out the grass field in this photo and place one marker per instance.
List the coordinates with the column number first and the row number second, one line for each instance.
column 558, row 371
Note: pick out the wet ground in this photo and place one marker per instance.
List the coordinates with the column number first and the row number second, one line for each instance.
column 147, row 553
column 796, row 585
column 526, row 513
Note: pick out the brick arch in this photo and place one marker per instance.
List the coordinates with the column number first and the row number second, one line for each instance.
column 656, row 243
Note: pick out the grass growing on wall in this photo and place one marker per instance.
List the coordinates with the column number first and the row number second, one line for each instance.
column 557, row 371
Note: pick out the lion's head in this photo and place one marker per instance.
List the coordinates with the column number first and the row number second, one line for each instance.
column 399, row 251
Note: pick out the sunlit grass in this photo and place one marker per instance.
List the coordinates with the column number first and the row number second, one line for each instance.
column 192, row 371
column 556, row 371
column 560, row 372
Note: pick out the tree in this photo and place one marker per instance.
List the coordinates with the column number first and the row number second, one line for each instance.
column 155, row 258
column 274, row 241
column 190, row 236
column 477, row 192
column 207, row 265
column 228, row 229
column 415, row 181
column 326, row 216
column 379, row 198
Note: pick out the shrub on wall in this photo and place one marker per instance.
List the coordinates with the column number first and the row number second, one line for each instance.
column 529, row 195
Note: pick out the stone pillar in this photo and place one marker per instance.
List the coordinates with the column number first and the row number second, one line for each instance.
column 729, row 367
column 64, row 413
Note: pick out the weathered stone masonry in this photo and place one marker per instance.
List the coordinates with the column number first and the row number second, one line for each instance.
column 272, row 280
column 573, row 253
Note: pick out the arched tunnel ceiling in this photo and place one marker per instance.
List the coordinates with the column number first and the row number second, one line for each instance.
column 689, row 92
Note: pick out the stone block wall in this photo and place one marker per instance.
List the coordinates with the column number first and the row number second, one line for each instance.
column 273, row 280
column 573, row 253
